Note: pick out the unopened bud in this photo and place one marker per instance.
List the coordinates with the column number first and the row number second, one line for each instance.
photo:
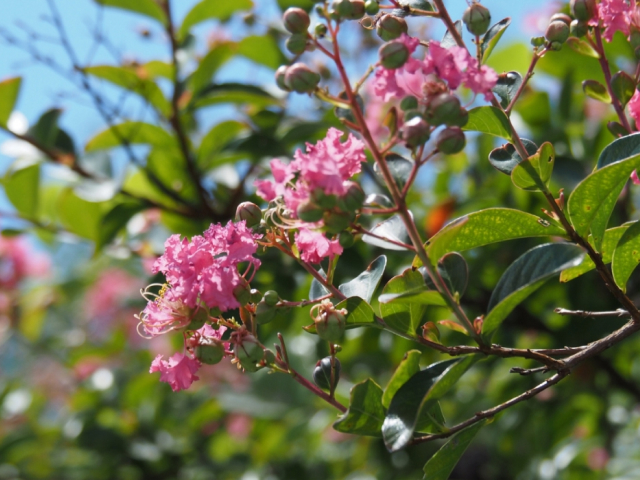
column 346, row 239
column 297, row 43
column 322, row 373
column 409, row 103
column 357, row 10
column 537, row 41
column 264, row 313
column 271, row 298
column 344, row 8
column 335, row 222
column 301, row 78
column 390, row 27
column 583, row 9
column 280, row 76
column 409, row 114
column 296, row 20
column 477, row 19
column 393, row 55
column 321, row 30
column 242, row 293
column 256, row 295
column 309, row 211
column 557, row 31
column 199, row 318
column 556, row 46
column 563, row 17
column 250, row 213
column 353, row 198
column 323, row 200
column 330, row 324
column 248, row 353
column 209, row 354
column 415, row 132
column 371, row 7
column 578, row 28
column 443, row 109
column 461, row 120
column 451, row 140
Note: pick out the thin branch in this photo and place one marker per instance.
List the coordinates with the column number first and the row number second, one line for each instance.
column 620, row 312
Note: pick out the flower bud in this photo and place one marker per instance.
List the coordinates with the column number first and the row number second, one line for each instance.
column 556, row 46
column 371, row 7
column 301, row 78
column 443, row 109
column 242, row 293
column 296, row 20
column 297, row 43
column 563, row 17
column 271, row 298
column 344, row 8
column 409, row 103
column 357, row 10
column 409, row 114
column 264, row 312
column 309, row 211
column 250, row 213
column 477, row 19
column 451, row 140
column 320, row 30
column 280, row 76
column 209, row 354
column 322, row 373
column 393, row 55
column 583, row 10
column 256, row 295
column 537, row 41
column 461, row 120
column 390, row 27
column 415, row 132
column 198, row 319
column 353, row 198
column 335, row 222
column 249, row 352
column 346, row 239
column 330, row 324
column 322, row 199
column 557, row 31
column 578, row 28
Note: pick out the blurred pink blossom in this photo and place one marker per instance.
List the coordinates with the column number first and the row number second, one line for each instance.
column 106, row 295
column 19, row 261
column 179, row 371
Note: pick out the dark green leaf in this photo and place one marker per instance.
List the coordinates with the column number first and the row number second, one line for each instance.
column 418, row 4
column 596, row 90
column 534, row 173
column 489, row 120
column 365, row 284
column 400, row 316
column 148, row 8
column 506, row 88
column 440, row 466
column 9, row 90
column 619, row 149
column 626, row 256
column 366, row 413
column 21, row 185
column 131, row 133
column 448, row 40
column 623, row 87
column 399, row 167
column 505, row 158
column 582, row 47
column 49, row 135
column 409, row 366
column 492, row 37
column 526, row 275
column 454, row 271
column 114, row 221
column 211, row 9
column 393, row 229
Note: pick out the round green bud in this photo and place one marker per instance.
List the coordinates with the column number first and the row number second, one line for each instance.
column 271, row 298
column 409, row 114
column 563, row 17
column 309, row 211
column 335, row 222
column 346, row 239
column 209, row 354
column 461, row 120
column 256, row 295
column 372, row 7
column 393, row 55
column 557, row 31
column 280, row 75
column 264, row 313
column 353, row 198
column 451, row 140
column 242, row 293
column 320, row 30
column 297, row 43
column 357, row 10
column 415, row 132
column 477, row 19
column 409, row 103
column 331, row 326
column 578, row 28
column 250, row 213
column 296, row 20
column 248, row 353
column 555, row 46
column 322, row 373
column 583, row 10
column 301, row 78
column 537, row 41
column 390, row 27
column 344, row 8
column 198, row 319
column 443, row 109
column 323, row 200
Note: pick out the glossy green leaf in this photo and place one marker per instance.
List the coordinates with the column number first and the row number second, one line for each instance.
column 148, row 8
column 487, row 226
column 449, row 40
column 392, row 229
column 215, row 94
column 419, row 393
column 626, row 256
column 454, row 271
column 402, row 316
column 534, row 173
column 505, row 158
column 601, row 218
column 209, row 65
column 526, row 275
column 359, row 314
column 22, row 188
column 114, row 221
column 366, row 413
column 131, row 133
column 592, row 193
column 365, row 284
column 399, row 167
column 489, row 120
column 262, row 49
column 421, row 296
column 611, row 239
column 80, row 216
column 596, row 90
column 215, row 139
column 409, row 366
column 492, row 37
column 129, row 80
column 212, row 9
column 623, row 87
column 619, row 149
column 582, row 47
column 507, row 87
column 440, row 466
column 9, row 90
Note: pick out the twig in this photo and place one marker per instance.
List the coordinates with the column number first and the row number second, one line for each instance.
column 620, row 312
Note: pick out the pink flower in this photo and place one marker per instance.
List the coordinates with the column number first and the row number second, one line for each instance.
column 447, row 63
column 314, row 246
column 18, row 261
column 106, row 295
column 634, row 178
column 615, row 16
column 179, row 371
column 634, row 106
column 164, row 313
column 481, row 80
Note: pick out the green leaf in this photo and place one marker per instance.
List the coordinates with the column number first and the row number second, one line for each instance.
column 506, row 88
column 409, row 366
column 601, row 219
column 611, row 239
column 148, row 8
column 9, row 90
column 448, row 40
column 440, row 466
column 318, row 290
column 22, row 188
column 80, row 216
column 400, row 316
column 526, row 275
column 48, row 134
column 626, row 256
column 399, row 167
column 454, row 271
column 623, row 87
column 534, row 173
column 233, row 93
column 393, row 229
column 420, row 393
column 492, row 37
column 420, row 296
column 505, row 158
column 129, row 80
column 305, row 4
column 359, row 314
column 596, row 90
column 131, row 133
column 366, row 413
column 582, row 47
column 114, row 221
column 365, row 284
column 158, row 68
column 262, row 49
column 489, row 120
column 488, row 226
column 210, row 9
column 209, row 65
column 619, row 149
column 592, row 193
column 215, row 140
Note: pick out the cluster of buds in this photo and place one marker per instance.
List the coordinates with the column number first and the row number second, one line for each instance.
column 583, row 11
column 330, row 322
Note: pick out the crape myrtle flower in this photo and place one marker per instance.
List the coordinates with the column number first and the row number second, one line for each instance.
column 179, row 371
column 616, row 16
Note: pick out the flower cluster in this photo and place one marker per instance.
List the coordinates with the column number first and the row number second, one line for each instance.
column 616, row 16
column 422, row 79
